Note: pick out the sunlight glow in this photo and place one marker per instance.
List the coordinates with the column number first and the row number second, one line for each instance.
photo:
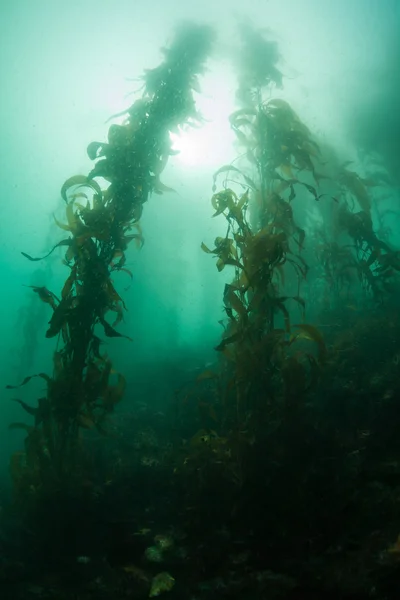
column 211, row 144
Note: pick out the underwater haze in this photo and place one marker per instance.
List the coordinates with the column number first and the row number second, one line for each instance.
column 64, row 70
column 70, row 72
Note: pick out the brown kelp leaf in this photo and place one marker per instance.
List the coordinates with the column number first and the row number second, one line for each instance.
column 221, row 263
column 159, row 187
column 206, row 249
column 103, row 168
column 70, row 182
column 45, row 295
column 66, row 242
column 81, row 181
column 68, row 284
column 232, row 300
column 230, row 168
column 243, row 200
column 75, row 224
column 113, row 294
column 228, row 340
column 27, row 379
column 239, row 210
column 111, row 332
column 61, row 225
column 81, row 207
column 311, row 189
column 222, row 201
column 139, row 239
column 118, row 253
column 309, row 332
column 59, row 318
column 71, row 253
column 29, row 409
column 355, row 185
column 226, row 251
column 117, row 308
column 124, row 270
column 96, row 149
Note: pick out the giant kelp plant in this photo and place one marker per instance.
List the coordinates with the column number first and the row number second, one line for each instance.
column 260, row 408
column 265, row 243
column 266, row 374
column 103, row 211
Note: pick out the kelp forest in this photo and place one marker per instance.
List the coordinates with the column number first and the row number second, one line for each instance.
column 273, row 471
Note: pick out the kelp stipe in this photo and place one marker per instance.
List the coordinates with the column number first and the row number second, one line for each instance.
column 267, row 364
column 268, row 373
column 100, row 224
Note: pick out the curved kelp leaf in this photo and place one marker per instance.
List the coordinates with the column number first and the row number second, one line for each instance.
column 309, row 332
column 66, row 242
column 59, row 318
column 228, row 340
column 45, row 295
column 27, row 379
column 96, row 149
column 228, row 169
column 111, row 332
column 81, row 181
column 29, row 409
column 159, row 187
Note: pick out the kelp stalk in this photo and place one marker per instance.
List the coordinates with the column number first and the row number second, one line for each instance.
column 101, row 223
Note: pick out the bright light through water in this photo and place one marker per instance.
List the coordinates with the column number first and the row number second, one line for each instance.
column 209, row 145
